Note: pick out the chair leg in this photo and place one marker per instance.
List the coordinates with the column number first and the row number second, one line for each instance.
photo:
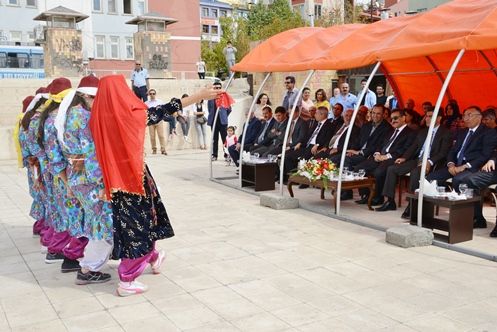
column 495, row 200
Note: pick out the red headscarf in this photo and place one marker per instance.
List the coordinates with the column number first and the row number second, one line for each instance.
column 118, row 121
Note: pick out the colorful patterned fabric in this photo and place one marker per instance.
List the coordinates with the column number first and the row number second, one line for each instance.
column 86, row 183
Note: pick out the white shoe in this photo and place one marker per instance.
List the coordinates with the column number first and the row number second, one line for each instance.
column 131, row 288
column 187, row 140
column 158, row 262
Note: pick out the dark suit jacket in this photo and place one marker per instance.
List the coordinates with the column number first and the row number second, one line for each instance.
column 272, row 122
column 402, row 142
column 353, row 141
column 299, row 133
column 223, row 113
column 442, row 142
column 478, row 149
column 324, row 135
column 336, row 124
column 254, row 127
column 375, row 141
column 276, row 138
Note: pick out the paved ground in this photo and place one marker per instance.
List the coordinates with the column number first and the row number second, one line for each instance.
column 235, row 266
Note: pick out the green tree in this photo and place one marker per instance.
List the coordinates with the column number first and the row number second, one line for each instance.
column 265, row 21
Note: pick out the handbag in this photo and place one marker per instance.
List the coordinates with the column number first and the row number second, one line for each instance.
column 201, row 119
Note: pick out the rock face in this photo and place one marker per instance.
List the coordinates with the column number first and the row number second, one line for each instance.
column 409, row 236
column 277, row 202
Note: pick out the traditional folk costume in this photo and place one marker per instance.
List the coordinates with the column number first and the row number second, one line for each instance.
column 85, row 180
column 67, row 215
column 37, row 211
column 118, row 122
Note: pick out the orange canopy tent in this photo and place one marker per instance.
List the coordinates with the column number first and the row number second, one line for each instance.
column 416, row 52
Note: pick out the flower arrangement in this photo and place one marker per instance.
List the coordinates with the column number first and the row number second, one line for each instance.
column 317, row 169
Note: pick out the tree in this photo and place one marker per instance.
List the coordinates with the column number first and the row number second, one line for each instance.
column 265, row 21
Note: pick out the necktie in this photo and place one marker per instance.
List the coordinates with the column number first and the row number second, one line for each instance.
column 286, row 100
column 423, row 147
column 460, row 155
column 311, row 123
column 337, row 136
column 373, row 128
column 392, row 139
column 261, row 136
column 314, row 134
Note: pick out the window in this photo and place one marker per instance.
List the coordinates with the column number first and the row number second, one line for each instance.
column 129, row 48
column 223, row 12
column 205, row 28
column 317, row 11
column 97, row 5
column 13, row 2
column 214, row 30
column 16, row 36
column 31, row 36
column 112, row 8
column 114, row 47
column 100, row 47
column 127, row 6
column 141, row 7
column 214, row 12
column 205, row 12
column 31, row 3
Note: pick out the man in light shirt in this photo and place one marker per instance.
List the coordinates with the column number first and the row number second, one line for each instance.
column 139, row 81
column 347, row 99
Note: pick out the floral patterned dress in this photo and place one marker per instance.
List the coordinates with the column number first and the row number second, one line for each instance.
column 68, row 207
column 52, row 215
column 37, row 211
column 86, row 182
column 139, row 220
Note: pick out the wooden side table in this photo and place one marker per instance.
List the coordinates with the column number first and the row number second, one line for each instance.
column 332, row 185
column 460, row 223
column 259, row 175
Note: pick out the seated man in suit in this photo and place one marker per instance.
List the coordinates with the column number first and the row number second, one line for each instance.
column 334, row 149
column 320, row 137
column 253, row 128
column 267, row 124
column 473, row 147
column 337, row 120
column 297, row 135
column 371, row 137
column 393, row 147
column 480, row 180
column 273, row 142
column 410, row 161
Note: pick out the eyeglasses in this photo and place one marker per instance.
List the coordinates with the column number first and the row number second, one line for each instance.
column 395, row 118
column 138, row 64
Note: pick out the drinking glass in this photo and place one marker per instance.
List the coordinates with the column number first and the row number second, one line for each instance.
column 362, row 173
column 256, row 155
column 469, row 193
column 462, row 188
column 441, row 190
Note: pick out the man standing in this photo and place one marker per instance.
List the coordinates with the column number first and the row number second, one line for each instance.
column 156, row 128
column 221, row 123
column 201, row 69
column 347, row 99
column 290, row 94
column 139, row 81
column 381, row 98
column 411, row 160
column 369, row 99
column 230, row 55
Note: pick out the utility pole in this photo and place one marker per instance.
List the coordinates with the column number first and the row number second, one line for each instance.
column 310, row 11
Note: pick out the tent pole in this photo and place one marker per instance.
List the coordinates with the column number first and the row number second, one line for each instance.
column 427, row 144
column 242, row 143
column 232, row 76
column 287, row 130
column 347, row 136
